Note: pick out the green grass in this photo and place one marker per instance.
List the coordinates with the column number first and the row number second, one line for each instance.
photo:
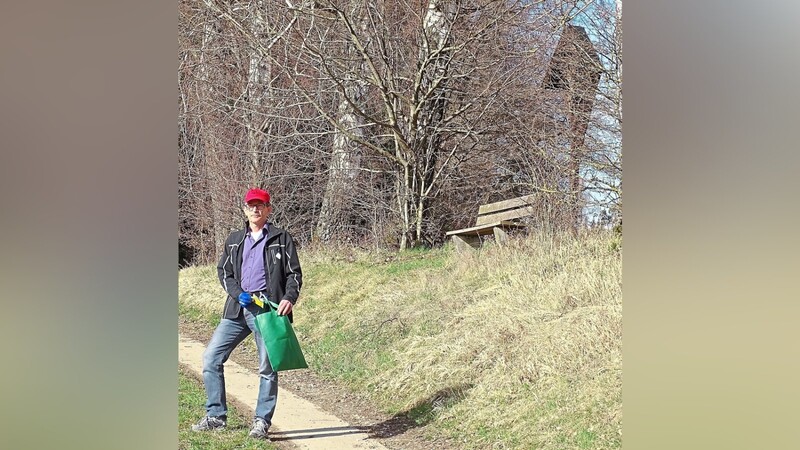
column 191, row 398
column 516, row 346
column 422, row 414
column 195, row 313
column 416, row 260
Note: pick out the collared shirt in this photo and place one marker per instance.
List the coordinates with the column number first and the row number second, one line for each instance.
column 254, row 276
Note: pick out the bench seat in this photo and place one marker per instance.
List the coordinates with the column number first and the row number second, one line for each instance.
column 470, row 238
column 482, row 230
column 494, row 218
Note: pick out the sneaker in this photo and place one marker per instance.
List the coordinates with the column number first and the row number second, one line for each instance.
column 210, row 423
column 260, row 428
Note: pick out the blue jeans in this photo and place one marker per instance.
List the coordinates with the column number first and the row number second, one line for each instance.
column 229, row 333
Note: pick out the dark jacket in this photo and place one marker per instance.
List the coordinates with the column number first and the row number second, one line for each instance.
column 282, row 267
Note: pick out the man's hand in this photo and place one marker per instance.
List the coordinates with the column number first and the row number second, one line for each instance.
column 284, row 308
column 245, row 298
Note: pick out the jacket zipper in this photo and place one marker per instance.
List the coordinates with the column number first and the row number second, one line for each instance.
column 266, row 260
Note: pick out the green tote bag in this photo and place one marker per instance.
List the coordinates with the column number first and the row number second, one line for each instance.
column 282, row 346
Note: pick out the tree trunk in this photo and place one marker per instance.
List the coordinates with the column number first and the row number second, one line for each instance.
column 432, row 91
column 342, row 170
column 405, row 204
column 258, row 92
column 344, row 163
column 207, row 139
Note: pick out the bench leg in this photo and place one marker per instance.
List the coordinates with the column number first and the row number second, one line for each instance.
column 500, row 235
column 464, row 243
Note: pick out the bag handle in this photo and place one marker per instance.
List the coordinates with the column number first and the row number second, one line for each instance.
column 263, row 302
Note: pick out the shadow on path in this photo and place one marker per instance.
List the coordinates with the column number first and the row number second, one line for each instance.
column 420, row 415
column 309, row 433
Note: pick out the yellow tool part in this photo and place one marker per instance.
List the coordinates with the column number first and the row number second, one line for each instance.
column 258, row 301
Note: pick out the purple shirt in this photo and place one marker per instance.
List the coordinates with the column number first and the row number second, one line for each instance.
column 253, row 275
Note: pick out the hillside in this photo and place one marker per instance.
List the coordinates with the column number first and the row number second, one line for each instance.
column 509, row 347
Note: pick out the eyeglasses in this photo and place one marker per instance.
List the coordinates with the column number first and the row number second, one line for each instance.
column 256, row 206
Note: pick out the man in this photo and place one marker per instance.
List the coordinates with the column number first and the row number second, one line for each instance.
column 260, row 260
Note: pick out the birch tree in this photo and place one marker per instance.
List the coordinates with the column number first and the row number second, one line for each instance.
column 344, row 160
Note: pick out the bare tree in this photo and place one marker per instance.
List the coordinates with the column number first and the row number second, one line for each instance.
column 604, row 137
column 388, row 122
column 344, row 161
column 239, row 124
column 413, row 62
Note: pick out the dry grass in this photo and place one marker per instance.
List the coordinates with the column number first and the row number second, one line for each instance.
column 511, row 347
column 198, row 287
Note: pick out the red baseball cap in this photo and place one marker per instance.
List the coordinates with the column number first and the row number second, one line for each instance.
column 256, row 194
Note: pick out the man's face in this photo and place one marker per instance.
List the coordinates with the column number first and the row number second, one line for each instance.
column 257, row 212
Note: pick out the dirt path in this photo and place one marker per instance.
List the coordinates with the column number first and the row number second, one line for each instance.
column 296, row 420
column 311, row 412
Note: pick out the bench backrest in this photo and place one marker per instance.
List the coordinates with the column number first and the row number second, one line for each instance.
column 516, row 208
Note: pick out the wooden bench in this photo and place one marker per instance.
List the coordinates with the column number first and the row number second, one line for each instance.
column 494, row 218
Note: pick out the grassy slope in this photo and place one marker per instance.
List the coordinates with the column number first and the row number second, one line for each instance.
column 512, row 347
